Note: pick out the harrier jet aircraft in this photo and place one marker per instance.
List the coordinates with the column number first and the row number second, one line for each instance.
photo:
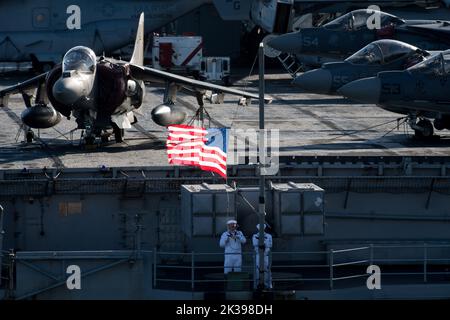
column 277, row 16
column 102, row 94
column 421, row 92
column 380, row 55
column 43, row 31
column 347, row 34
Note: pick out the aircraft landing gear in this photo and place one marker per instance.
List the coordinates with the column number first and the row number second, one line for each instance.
column 89, row 140
column 105, row 138
column 118, row 133
column 442, row 123
column 422, row 129
column 29, row 136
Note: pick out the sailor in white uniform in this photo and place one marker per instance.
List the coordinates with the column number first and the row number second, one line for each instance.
column 232, row 240
column 267, row 248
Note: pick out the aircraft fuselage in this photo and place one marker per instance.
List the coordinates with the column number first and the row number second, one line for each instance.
column 45, row 30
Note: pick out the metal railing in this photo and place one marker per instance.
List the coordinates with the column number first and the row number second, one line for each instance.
column 333, row 266
column 197, row 267
column 425, row 261
column 106, row 261
column 332, row 184
column 306, row 270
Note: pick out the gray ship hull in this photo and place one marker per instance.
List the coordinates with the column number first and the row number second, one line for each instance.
column 124, row 228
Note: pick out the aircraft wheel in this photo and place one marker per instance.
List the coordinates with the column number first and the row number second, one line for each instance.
column 118, row 134
column 196, row 75
column 226, row 81
column 426, row 129
column 89, row 140
column 105, row 138
column 30, row 136
column 441, row 124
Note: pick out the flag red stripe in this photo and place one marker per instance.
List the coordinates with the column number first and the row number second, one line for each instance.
column 186, row 146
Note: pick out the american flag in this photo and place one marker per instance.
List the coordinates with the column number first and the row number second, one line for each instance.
column 199, row 147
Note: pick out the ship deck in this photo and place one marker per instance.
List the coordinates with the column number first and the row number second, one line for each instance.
column 309, row 124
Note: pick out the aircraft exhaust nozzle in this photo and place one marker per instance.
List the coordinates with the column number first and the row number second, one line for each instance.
column 40, row 117
column 164, row 115
column 288, row 43
column 68, row 90
column 316, row 81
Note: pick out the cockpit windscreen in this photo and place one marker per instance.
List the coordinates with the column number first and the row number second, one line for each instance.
column 81, row 59
column 358, row 19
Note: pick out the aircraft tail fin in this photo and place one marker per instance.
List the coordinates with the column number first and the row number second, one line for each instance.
column 138, row 53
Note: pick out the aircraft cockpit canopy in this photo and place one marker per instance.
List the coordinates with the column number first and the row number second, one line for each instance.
column 439, row 64
column 81, row 59
column 359, row 19
column 382, row 52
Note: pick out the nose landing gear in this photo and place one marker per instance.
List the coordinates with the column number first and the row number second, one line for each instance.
column 118, row 133
column 29, row 136
column 423, row 129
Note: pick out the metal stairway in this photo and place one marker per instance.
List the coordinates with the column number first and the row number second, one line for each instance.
column 290, row 64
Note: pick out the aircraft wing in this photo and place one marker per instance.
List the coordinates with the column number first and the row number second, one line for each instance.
column 154, row 75
column 29, row 84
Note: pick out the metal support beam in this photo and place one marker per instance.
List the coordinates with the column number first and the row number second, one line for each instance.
column 427, row 205
column 331, row 260
column 63, row 282
column 347, row 193
column 192, row 271
column 39, row 270
column 155, row 256
column 2, row 232
column 425, row 262
column 262, row 181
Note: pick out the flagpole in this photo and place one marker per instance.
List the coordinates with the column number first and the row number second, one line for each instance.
column 262, row 182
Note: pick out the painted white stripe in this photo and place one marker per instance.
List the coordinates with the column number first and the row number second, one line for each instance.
column 174, row 129
column 198, row 155
column 184, row 144
column 215, row 157
column 175, row 151
column 219, row 150
column 214, row 165
column 186, row 136
column 196, row 159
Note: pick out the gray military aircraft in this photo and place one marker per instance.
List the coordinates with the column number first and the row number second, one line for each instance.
column 42, row 31
column 277, row 16
column 347, row 34
column 103, row 94
column 378, row 56
column 421, row 92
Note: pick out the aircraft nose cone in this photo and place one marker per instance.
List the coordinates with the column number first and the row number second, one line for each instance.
column 68, row 90
column 364, row 90
column 290, row 42
column 318, row 80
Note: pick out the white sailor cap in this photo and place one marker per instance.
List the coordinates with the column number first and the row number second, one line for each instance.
column 231, row 222
column 257, row 226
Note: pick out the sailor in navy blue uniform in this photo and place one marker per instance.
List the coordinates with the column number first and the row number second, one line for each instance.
column 267, row 248
column 232, row 240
